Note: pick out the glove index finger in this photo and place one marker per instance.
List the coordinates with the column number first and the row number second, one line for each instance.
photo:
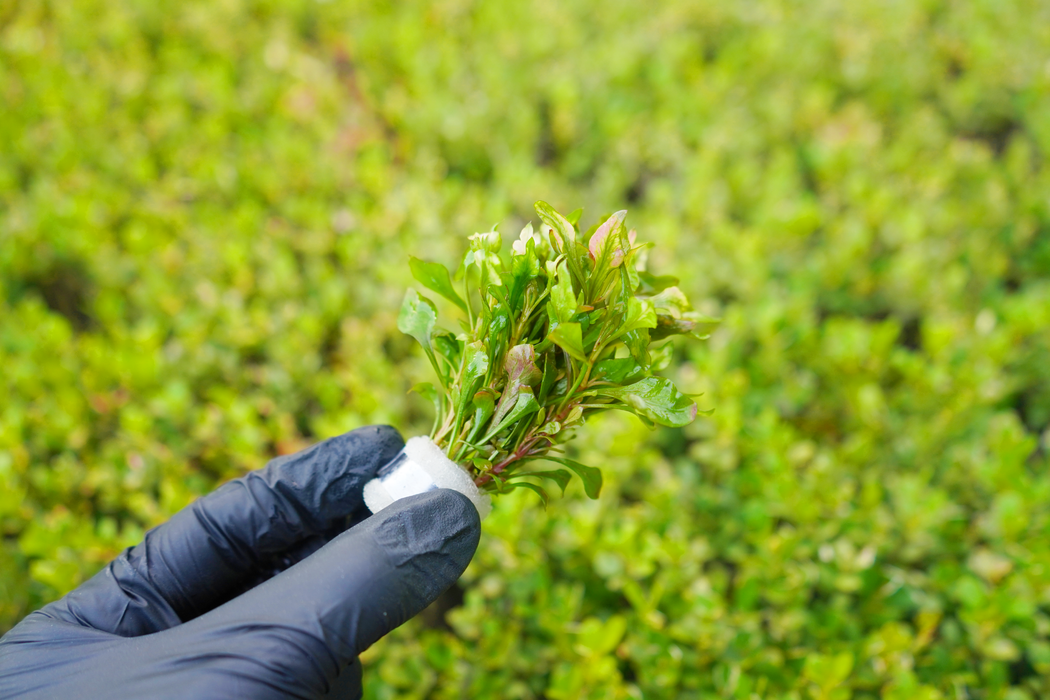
column 305, row 625
column 209, row 550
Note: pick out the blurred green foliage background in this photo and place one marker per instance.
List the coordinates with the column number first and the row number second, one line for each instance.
column 206, row 210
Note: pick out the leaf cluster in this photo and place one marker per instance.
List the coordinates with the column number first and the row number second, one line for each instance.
column 569, row 324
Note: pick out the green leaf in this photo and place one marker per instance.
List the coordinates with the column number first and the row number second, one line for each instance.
column 484, row 254
column 448, row 347
column 667, row 326
column 562, row 228
column 487, row 242
column 629, row 275
column 616, row 370
column 484, row 406
column 652, row 284
column 640, row 314
column 538, row 490
column 661, row 357
column 575, row 415
column 550, row 373
column 637, row 341
column 563, row 296
column 497, row 329
column 524, row 405
column 559, row 476
column 426, row 390
column 595, row 638
column 429, row 391
column 671, row 301
column 523, row 269
column 550, row 428
column 435, row 277
column 476, row 363
column 574, row 217
column 656, row 398
column 590, row 476
column 569, row 337
column 606, row 245
column 471, row 377
column 563, row 239
column 592, row 327
column 417, row 318
column 475, row 367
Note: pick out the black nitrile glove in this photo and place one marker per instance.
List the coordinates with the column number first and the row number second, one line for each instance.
column 258, row 590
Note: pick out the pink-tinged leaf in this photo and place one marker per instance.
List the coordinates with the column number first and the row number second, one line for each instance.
column 562, row 232
column 598, row 240
column 521, row 365
column 521, row 373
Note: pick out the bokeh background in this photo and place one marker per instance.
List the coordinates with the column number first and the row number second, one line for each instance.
column 206, row 209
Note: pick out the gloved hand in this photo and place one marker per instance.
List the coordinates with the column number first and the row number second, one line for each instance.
column 260, row 590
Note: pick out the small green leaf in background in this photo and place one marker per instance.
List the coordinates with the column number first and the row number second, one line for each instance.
column 827, row 673
column 597, row 638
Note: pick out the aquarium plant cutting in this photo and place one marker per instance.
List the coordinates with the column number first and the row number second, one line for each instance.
column 569, row 324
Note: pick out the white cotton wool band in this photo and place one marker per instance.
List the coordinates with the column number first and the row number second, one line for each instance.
column 425, row 468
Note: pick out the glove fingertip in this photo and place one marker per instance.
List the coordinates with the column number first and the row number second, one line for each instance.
column 386, row 439
column 437, row 531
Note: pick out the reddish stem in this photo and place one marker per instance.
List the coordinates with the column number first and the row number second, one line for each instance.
column 523, row 451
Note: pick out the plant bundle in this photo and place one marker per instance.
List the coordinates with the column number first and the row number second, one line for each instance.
column 568, row 325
